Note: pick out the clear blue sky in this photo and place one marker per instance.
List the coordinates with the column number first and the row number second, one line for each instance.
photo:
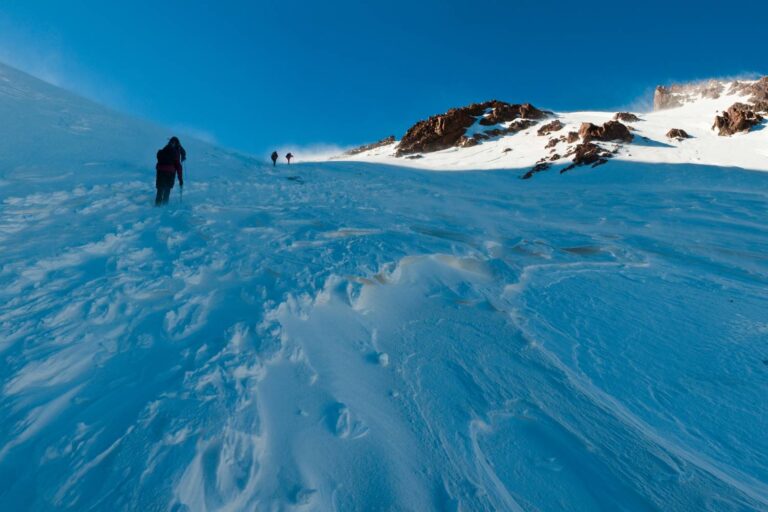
column 261, row 74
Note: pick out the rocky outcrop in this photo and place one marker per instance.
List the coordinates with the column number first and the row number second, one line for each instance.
column 540, row 166
column 572, row 137
column 449, row 129
column 739, row 117
column 610, row 131
column 362, row 149
column 677, row 95
column 548, row 128
column 678, row 133
column 756, row 91
column 506, row 112
column 627, row 117
column 588, row 153
column 520, row 125
column 467, row 142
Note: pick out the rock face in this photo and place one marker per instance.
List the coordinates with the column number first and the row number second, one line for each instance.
column 548, row 128
column 627, row 117
column 757, row 92
column 739, row 117
column 572, row 137
column 449, row 129
column 362, row 149
column 678, row 133
column 610, row 131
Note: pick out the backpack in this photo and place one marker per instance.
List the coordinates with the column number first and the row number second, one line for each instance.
column 166, row 156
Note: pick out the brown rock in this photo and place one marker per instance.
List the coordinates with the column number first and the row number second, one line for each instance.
column 627, row 117
column 761, row 106
column 446, row 130
column 739, row 117
column 757, row 91
column 572, row 137
column 362, row 149
column 505, row 112
column 548, row 128
column 587, row 153
column 677, row 133
column 541, row 166
column 436, row 133
column 507, row 150
column 467, row 142
column 552, row 143
column 610, row 131
column 520, row 125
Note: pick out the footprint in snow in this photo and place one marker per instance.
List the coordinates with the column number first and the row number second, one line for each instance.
column 378, row 358
column 342, row 425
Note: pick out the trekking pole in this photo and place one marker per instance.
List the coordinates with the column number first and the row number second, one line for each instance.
column 181, row 188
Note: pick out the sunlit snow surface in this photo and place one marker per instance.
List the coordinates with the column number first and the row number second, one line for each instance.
column 368, row 337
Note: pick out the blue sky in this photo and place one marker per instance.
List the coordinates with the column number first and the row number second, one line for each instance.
column 254, row 75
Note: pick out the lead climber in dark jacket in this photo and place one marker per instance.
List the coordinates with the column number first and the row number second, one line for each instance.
column 168, row 166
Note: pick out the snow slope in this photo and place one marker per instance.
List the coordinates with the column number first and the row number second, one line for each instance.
column 705, row 147
column 355, row 336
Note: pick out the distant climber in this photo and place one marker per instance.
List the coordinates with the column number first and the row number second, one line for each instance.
column 274, row 158
column 288, row 157
column 168, row 167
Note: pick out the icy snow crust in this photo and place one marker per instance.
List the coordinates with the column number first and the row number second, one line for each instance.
column 369, row 337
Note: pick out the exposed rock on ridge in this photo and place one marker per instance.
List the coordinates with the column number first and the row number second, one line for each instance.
column 740, row 117
column 677, row 95
column 610, row 131
column 449, row 129
column 627, row 117
column 548, row 128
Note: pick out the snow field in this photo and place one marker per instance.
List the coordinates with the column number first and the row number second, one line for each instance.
column 374, row 338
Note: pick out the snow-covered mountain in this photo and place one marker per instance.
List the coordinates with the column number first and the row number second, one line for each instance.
column 518, row 141
column 356, row 335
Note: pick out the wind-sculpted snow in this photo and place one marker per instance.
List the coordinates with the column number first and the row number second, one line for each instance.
column 376, row 338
